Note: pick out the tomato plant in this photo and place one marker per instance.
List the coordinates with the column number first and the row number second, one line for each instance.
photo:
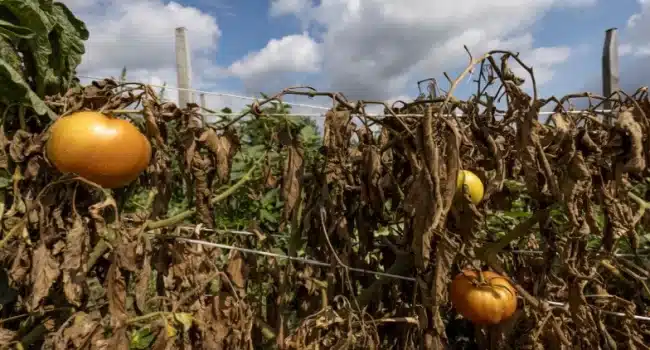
column 108, row 151
column 486, row 299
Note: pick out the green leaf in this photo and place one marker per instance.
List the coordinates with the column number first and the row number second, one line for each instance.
column 51, row 43
column 15, row 90
column 141, row 339
column 67, row 41
column 9, row 54
column 5, row 182
column 269, row 196
column 517, row 214
column 37, row 50
column 13, row 32
column 266, row 215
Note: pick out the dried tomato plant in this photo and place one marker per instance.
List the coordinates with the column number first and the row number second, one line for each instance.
column 88, row 268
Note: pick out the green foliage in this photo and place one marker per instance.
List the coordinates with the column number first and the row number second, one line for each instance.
column 41, row 44
column 257, row 136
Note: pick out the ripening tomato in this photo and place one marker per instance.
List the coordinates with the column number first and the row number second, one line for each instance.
column 108, row 151
column 488, row 302
column 474, row 185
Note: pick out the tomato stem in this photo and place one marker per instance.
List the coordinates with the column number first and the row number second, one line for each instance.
column 152, row 225
column 124, row 111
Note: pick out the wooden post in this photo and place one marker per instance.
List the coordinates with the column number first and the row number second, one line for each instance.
column 183, row 68
column 611, row 80
column 203, row 104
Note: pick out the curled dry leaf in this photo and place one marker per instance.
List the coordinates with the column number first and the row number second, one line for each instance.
column 45, row 271
column 75, row 259
column 223, row 147
column 292, row 179
column 116, row 295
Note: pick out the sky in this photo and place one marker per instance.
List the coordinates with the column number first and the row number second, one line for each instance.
column 366, row 49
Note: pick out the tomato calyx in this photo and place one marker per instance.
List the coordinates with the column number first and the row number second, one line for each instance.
column 482, row 282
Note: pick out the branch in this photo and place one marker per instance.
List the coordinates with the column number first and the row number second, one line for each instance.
column 152, row 225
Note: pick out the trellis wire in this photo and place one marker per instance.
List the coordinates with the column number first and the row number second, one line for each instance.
column 364, row 271
column 322, row 115
column 220, row 94
column 292, row 258
column 314, row 115
column 514, row 251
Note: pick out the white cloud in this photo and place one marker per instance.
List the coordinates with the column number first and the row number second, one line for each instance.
column 635, row 34
column 542, row 60
column 287, row 7
column 372, row 49
column 140, row 35
column 290, row 54
column 635, row 49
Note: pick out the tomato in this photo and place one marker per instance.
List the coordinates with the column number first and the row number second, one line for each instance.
column 490, row 302
column 108, row 151
column 474, row 184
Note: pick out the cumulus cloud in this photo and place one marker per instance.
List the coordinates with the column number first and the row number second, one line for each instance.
column 634, row 51
column 372, row 49
column 140, row 35
column 543, row 59
column 290, row 54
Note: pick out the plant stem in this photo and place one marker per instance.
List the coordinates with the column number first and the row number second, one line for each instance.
column 152, row 225
column 148, row 316
column 100, row 249
column 519, row 231
column 124, row 111
column 11, row 233
column 21, row 117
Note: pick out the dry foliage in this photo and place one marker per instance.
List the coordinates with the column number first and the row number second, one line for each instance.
column 83, row 273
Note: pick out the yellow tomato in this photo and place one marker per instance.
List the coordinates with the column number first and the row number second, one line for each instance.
column 108, row 151
column 473, row 183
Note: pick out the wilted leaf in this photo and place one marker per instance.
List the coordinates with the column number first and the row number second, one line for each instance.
column 45, row 270
column 83, row 327
column 237, row 269
column 116, row 294
column 75, row 258
column 292, row 179
column 119, row 340
column 6, row 337
column 142, row 284
column 224, row 148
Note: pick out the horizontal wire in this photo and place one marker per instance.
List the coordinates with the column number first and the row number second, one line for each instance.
column 312, row 106
column 292, row 258
column 216, row 93
column 322, row 115
column 515, row 251
column 620, row 314
column 323, row 264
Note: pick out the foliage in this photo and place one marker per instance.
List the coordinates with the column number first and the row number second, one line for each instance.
column 89, row 268
column 41, row 44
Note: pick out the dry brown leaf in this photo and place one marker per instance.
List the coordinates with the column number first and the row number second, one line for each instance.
column 119, row 340
column 45, row 271
column 75, row 259
column 237, row 269
column 292, row 179
column 142, row 283
column 116, row 294
column 224, row 148
column 6, row 337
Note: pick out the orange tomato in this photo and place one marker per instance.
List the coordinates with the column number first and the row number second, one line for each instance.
column 490, row 302
column 108, row 151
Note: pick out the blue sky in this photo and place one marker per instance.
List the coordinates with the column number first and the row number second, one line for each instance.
column 562, row 39
column 577, row 28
